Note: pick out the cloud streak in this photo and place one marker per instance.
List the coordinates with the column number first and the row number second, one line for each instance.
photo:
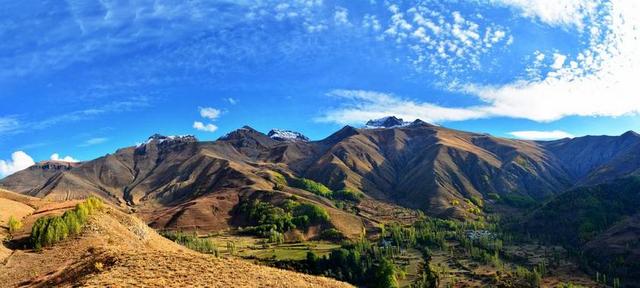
column 94, row 141
column 540, row 135
column 358, row 106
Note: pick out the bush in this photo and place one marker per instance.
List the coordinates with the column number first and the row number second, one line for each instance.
column 52, row 229
column 516, row 200
column 191, row 241
column 279, row 181
column 14, row 225
column 348, row 195
column 332, row 234
column 312, row 186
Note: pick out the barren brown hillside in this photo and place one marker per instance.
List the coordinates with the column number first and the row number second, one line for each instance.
column 183, row 184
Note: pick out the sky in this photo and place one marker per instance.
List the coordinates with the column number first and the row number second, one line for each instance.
column 80, row 79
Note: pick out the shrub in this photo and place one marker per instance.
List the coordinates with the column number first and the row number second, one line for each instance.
column 477, row 201
column 315, row 214
column 276, row 237
column 279, row 181
column 332, row 234
column 191, row 241
column 348, row 195
column 14, row 225
column 312, row 186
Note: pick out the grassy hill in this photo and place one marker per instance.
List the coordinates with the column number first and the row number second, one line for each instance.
column 116, row 249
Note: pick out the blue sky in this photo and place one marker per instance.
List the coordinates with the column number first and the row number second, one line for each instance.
column 79, row 79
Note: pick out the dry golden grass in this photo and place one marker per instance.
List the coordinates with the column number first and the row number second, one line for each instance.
column 118, row 250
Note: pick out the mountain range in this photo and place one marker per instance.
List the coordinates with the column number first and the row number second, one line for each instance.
column 179, row 182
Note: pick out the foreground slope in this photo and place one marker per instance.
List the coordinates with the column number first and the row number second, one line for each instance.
column 116, row 249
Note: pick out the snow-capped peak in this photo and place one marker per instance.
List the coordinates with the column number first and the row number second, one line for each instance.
column 159, row 139
column 386, row 122
column 287, row 135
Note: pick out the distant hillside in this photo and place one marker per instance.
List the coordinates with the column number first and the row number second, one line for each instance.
column 601, row 222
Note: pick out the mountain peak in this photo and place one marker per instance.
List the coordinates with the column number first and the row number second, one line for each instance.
column 386, row 122
column 287, row 135
column 630, row 133
column 158, row 138
column 242, row 133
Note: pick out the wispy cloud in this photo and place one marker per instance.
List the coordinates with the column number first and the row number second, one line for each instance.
column 79, row 115
column 358, row 106
column 8, row 124
column 557, row 13
column 19, row 161
column 541, row 135
column 93, row 141
column 599, row 81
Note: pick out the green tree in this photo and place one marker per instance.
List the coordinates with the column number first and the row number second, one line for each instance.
column 385, row 275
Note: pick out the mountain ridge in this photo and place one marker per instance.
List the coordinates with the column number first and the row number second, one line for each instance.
column 419, row 165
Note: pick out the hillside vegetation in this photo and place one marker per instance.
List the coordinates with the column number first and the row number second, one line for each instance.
column 114, row 249
column 599, row 224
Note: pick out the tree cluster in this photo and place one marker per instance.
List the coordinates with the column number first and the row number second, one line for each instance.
column 52, row 229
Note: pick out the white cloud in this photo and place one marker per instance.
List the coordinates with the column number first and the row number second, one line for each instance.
column 204, row 127
column 210, row 113
column 444, row 41
column 371, row 22
column 56, row 157
column 558, row 61
column 358, row 106
column 540, row 135
column 341, row 16
column 232, row 101
column 19, row 161
column 599, row 81
column 556, row 12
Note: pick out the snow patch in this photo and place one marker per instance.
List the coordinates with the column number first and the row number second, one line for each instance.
column 287, row 135
column 386, row 122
